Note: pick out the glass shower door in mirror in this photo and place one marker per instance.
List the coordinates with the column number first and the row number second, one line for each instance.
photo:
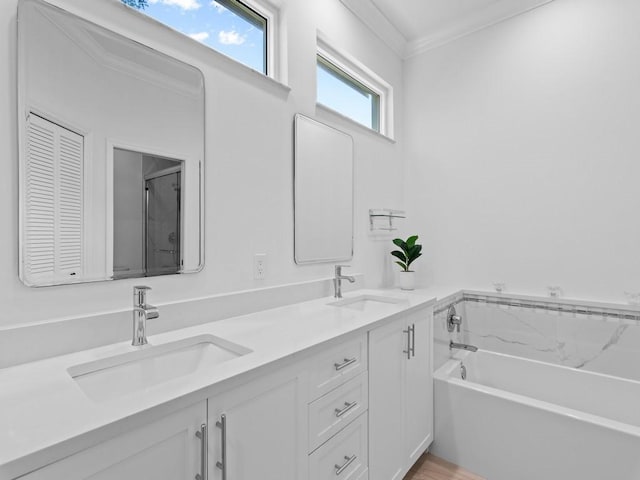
column 147, row 214
column 163, row 222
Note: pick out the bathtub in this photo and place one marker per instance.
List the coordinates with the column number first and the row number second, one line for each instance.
column 520, row 419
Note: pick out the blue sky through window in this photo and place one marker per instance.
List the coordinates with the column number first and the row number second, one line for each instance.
column 347, row 95
column 339, row 96
column 214, row 25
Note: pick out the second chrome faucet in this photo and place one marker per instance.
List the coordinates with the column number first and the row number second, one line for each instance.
column 142, row 312
column 337, row 280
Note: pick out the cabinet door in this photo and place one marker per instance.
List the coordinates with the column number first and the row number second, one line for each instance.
column 167, row 449
column 418, row 409
column 386, row 392
column 263, row 432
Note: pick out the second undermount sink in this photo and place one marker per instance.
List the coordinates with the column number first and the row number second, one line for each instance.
column 139, row 370
column 367, row 302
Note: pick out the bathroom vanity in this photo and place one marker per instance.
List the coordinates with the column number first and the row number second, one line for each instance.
column 315, row 390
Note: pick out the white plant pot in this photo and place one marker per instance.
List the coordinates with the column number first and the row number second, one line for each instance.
column 408, row 280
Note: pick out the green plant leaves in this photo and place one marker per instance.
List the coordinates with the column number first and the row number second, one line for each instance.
column 402, row 265
column 410, row 251
column 400, row 243
column 402, row 257
column 399, row 254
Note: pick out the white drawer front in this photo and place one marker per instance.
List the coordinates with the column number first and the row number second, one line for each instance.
column 344, row 457
column 337, row 365
column 330, row 413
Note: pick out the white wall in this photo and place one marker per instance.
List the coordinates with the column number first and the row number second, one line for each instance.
column 128, row 229
column 522, row 152
column 248, row 173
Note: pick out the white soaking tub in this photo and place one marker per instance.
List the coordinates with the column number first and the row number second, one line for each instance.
column 519, row 419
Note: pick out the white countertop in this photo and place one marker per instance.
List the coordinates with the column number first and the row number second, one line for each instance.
column 44, row 414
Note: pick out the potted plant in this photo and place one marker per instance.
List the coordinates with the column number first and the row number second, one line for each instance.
column 409, row 251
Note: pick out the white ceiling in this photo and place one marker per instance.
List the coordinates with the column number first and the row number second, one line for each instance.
column 413, row 26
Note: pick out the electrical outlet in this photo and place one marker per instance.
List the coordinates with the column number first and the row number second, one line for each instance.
column 260, row 266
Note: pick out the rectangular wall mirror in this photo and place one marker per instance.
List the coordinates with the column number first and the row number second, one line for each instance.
column 111, row 153
column 323, row 193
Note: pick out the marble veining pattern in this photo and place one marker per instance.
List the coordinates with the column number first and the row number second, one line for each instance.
column 603, row 340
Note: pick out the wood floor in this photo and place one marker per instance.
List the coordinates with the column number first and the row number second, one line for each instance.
column 430, row 467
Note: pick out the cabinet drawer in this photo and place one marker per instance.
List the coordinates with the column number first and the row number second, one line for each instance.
column 330, row 413
column 344, row 457
column 337, row 365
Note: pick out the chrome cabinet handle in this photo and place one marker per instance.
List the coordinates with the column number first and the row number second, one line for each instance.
column 346, row 363
column 341, row 468
column 347, row 406
column 204, row 448
column 413, row 339
column 408, row 350
column 222, row 464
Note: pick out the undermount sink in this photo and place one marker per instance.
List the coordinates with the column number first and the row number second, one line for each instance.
column 139, row 370
column 367, row 302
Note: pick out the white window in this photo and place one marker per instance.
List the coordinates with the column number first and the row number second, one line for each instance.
column 242, row 30
column 346, row 86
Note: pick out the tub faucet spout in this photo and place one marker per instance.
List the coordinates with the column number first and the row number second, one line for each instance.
column 462, row 346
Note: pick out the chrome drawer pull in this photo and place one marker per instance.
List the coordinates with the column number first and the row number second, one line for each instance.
column 347, row 406
column 204, row 466
column 346, row 363
column 349, row 461
column 222, row 465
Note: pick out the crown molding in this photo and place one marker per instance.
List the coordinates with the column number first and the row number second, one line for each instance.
column 373, row 18
column 493, row 14
column 379, row 24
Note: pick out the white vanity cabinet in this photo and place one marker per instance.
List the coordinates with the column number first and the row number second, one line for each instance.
column 167, row 449
column 259, row 430
column 400, row 394
column 358, row 408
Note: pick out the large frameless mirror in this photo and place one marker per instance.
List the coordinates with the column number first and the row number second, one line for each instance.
column 323, row 193
column 111, row 153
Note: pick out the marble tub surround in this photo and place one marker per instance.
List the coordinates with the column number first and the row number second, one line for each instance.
column 45, row 415
column 598, row 337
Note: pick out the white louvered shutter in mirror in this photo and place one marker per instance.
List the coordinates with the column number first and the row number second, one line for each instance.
column 53, row 185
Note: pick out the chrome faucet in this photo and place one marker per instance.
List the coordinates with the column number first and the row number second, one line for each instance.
column 337, row 280
column 462, row 346
column 141, row 313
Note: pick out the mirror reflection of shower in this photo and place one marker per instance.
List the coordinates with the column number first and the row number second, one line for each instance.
column 147, row 216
